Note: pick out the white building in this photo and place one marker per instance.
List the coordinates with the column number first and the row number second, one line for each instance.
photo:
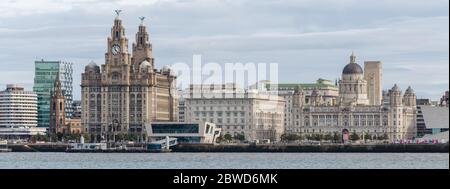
column 18, row 108
column 18, row 113
column 194, row 132
column 254, row 115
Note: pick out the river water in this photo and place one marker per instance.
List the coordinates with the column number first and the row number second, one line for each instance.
column 18, row 160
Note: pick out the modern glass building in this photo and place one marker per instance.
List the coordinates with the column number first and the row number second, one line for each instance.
column 44, row 80
column 201, row 132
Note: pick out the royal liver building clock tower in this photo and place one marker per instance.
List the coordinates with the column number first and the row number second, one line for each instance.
column 128, row 93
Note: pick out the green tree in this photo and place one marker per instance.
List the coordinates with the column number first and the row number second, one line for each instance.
column 328, row 137
column 60, row 136
column 52, row 137
column 131, row 137
column 227, row 137
column 336, row 137
column 354, row 136
column 40, row 137
column 87, row 138
column 93, row 138
column 382, row 137
column 317, row 137
column 239, row 137
column 120, row 137
column 290, row 137
column 367, row 136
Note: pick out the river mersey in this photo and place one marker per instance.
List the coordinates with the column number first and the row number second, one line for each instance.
column 224, row 161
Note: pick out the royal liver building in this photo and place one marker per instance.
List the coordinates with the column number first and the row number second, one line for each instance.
column 127, row 93
column 361, row 107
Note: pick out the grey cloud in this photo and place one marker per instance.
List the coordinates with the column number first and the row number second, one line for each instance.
column 308, row 38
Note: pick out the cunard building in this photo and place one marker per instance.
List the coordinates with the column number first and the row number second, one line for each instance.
column 359, row 108
column 127, row 93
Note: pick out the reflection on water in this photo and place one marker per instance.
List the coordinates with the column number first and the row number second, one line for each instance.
column 224, row 161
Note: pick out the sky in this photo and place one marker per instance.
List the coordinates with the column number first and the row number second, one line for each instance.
column 309, row 39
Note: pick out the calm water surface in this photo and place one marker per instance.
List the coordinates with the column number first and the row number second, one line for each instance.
column 16, row 160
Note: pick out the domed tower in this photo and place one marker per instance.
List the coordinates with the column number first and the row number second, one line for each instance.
column 145, row 67
column 142, row 48
column 409, row 97
column 353, row 86
column 92, row 68
column 395, row 96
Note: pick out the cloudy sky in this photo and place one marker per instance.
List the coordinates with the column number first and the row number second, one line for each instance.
column 310, row 39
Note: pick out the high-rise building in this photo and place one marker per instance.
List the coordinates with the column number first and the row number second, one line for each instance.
column 127, row 93
column 18, row 108
column 373, row 76
column 44, row 80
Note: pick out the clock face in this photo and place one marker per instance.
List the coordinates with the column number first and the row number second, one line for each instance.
column 115, row 49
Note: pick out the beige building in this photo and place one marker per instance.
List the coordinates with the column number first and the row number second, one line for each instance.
column 254, row 115
column 128, row 92
column 373, row 75
column 74, row 126
column 354, row 113
column 323, row 90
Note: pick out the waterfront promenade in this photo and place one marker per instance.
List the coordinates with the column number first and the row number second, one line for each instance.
column 278, row 148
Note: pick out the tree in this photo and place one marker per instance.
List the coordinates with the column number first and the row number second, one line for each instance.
column 336, row 137
column 382, row 137
column 290, row 137
column 59, row 136
column 328, row 137
column 354, row 136
column 239, row 137
column 367, row 136
column 93, row 138
column 120, row 137
column 317, row 137
column 227, row 137
column 87, row 138
column 131, row 137
column 40, row 137
column 52, row 137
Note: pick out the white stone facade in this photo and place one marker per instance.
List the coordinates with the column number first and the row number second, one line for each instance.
column 256, row 116
column 395, row 118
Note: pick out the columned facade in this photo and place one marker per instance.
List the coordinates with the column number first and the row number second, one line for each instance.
column 354, row 113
